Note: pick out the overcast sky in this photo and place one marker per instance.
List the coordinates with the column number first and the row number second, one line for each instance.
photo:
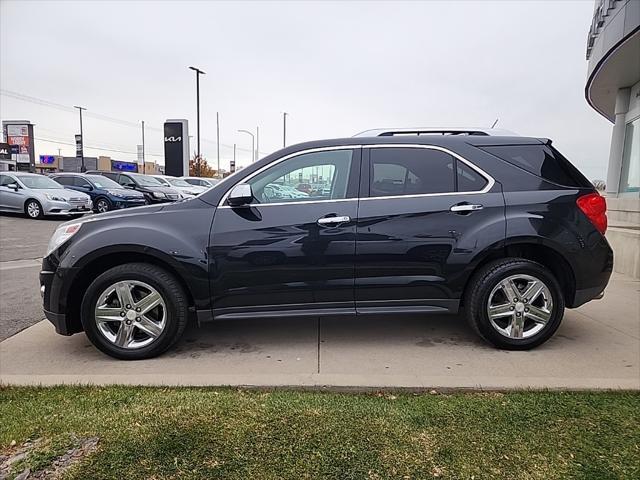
column 337, row 68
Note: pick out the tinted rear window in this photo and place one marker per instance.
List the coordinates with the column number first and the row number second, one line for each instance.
column 543, row 161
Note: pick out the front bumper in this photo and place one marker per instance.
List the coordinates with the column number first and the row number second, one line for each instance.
column 128, row 202
column 52, row 207
column 54, row 289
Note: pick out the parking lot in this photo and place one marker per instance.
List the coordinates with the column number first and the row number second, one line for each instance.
column 597, row 346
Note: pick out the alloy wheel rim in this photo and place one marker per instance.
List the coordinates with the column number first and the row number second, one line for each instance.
column 102, row 206
column 130, row 314
column 33, row 209
column 520, row 306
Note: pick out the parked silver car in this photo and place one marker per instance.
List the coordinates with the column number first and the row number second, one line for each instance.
column 187, row 189
column 36, row 196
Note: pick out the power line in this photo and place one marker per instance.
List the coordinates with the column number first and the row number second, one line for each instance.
column 94, row 147
column 98, row 116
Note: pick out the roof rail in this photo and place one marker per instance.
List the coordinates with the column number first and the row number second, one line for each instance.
column 391, row 132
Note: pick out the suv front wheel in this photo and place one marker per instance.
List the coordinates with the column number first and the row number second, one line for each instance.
column 134, row 311
column 515, row 304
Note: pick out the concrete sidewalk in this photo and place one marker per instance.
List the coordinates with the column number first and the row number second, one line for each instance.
column 597, row 346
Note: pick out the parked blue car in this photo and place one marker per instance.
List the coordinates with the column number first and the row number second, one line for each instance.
column 105, row 193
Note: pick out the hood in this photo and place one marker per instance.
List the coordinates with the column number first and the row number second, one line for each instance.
column 125, row 192
column 127, row 212
column 62, row 193
column 160, row 188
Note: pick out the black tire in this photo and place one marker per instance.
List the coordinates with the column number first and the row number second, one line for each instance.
column 31, row 206
column 166, row 285
column 102, row 201
column 477, row 298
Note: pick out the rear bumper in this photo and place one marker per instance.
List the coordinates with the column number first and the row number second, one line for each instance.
column 587, row 294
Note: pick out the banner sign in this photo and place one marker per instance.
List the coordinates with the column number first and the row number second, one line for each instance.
column 5, row 151
column 47, row 159
column 176, row 148
column 78, row 146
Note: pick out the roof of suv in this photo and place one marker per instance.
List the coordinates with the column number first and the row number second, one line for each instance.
column 391, row 132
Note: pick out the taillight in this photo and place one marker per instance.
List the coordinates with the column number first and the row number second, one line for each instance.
column 594, row 206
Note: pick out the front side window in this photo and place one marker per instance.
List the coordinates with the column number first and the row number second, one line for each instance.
column 306, row 177
column 630, row 178
column 6, row 180
column 410, row 171
column 126, row 181
column 81, row 182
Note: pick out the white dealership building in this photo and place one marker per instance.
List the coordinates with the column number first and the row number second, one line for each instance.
column 613, row 90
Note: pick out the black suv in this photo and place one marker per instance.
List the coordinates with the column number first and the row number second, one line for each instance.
column 152, row 189
column 503, row 229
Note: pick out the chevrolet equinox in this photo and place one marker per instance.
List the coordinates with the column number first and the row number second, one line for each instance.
column 503, row 229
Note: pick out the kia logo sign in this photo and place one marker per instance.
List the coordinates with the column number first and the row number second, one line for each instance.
column 172, row 139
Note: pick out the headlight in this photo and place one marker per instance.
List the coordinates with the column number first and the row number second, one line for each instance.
column 159, row 195
column 54, row 198
column 114, row 193
column 63, row 233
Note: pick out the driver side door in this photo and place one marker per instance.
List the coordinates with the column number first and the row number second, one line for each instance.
column 289, row 252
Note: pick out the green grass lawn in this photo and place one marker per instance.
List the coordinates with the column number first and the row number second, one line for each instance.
column 159, row 433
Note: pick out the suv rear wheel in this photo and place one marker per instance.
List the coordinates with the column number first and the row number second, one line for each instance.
column 515, row 304
column 134, row 311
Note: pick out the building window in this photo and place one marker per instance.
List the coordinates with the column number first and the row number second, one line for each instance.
column 630, row 178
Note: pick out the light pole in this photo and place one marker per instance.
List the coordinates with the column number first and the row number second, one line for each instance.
column 218, row 141
column 284, row 129
column 253, row 143
column 144, row 165
column 82, row 167
column 257, row 143
column 198, row 73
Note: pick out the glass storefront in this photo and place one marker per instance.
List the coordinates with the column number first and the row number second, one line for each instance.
column 630, row 178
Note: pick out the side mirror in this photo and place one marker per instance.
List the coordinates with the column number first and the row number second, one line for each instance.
column 240, row 195
column 14, row 185
column 129, row 185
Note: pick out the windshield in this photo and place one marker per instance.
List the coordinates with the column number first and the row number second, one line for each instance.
column 103, row 182
column 37, row 182
column 147, row 181
column 178, row 182
column 163, row 181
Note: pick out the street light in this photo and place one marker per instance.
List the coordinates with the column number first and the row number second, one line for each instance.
column 82, row 167
column 198, row 73
column 284, row 129
column 253, row 143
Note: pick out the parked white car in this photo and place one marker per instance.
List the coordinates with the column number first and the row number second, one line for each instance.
column 205, row 182
column 180, row 184
column 36, row 196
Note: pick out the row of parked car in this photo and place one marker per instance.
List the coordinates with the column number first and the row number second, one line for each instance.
column 78, row 193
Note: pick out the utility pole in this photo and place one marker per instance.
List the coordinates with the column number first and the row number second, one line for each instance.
column 144, row 165
column 233, row 166
column 257, row 143
column 198, row 73
column 218, row 140
column 284, row 129
column 82, row 167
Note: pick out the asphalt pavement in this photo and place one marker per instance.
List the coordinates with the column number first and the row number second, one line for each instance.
column 23, row 243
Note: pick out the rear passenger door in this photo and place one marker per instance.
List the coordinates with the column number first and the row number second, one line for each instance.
column 425, row 213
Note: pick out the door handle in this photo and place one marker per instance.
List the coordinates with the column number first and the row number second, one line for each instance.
column 465, row 207
column 334, row 220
